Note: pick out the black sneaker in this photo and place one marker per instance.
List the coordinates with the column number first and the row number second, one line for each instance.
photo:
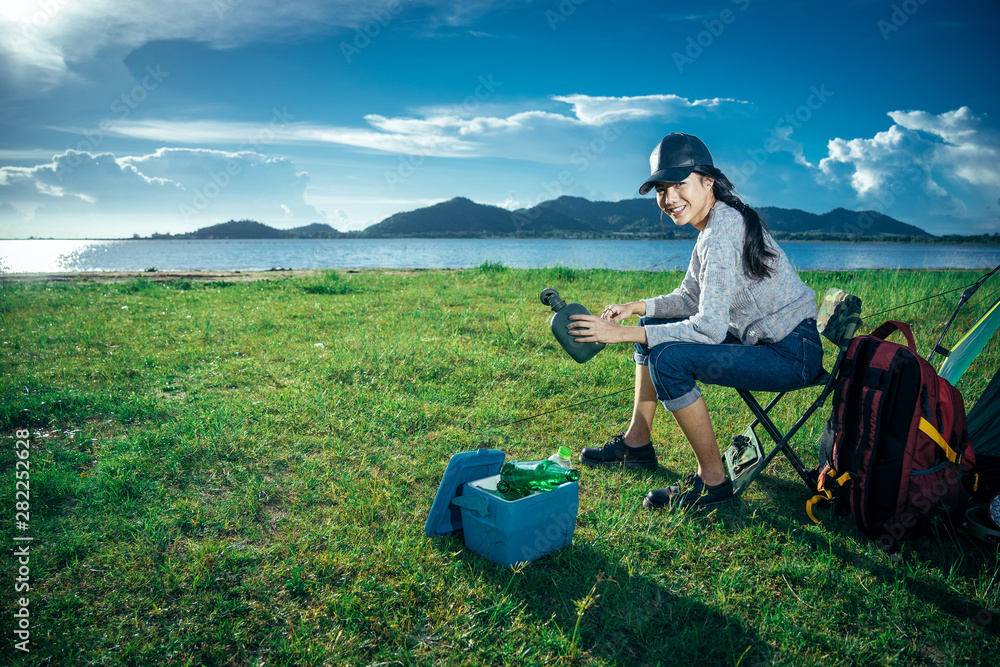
column 692, row 492
column 616, row 453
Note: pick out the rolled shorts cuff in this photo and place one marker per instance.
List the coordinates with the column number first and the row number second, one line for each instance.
column 640, row 355
column 681, row 402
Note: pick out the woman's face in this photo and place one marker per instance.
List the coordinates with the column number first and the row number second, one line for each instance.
column 687, row 202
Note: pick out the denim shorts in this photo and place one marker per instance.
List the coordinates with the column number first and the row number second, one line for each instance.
column 675, row 367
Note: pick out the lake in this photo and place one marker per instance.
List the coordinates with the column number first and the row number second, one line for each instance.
column 57, row 256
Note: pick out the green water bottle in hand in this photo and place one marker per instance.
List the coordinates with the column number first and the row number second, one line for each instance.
column 519, row 478
column 580, row 352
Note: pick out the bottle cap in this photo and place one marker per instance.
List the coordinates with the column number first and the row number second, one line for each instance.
column 565, row 452
column 551, row 298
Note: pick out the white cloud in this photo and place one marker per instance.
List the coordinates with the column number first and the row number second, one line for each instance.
column 946, row 164
column 533, row 134
column 605, row 110
column 181, row 188
column 970, row 147
column 42, row 39
column 226, row 171
column 782, row 137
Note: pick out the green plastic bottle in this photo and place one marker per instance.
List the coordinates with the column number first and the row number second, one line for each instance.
column 520, row 478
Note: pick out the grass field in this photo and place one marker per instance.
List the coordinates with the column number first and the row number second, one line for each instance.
column 239, row 474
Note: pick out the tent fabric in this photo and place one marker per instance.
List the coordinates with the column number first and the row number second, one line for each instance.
column 971, row 344
column 984, row 420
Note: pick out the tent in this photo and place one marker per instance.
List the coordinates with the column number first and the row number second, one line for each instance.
column 971, row 344
column 984, row 420
column 984, row 417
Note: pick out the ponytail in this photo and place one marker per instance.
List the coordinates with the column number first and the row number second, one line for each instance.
column 756, row 255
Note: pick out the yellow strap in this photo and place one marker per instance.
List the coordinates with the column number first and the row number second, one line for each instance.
column 933, row 434
column 826, row 495
column 839, row 481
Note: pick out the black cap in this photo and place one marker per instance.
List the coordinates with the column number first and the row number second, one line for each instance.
column 674, row 158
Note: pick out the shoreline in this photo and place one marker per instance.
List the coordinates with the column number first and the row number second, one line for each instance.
column 155, row 276
column 781, row 237
column 234, row 276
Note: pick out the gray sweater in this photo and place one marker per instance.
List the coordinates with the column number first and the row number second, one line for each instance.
column 716, row 297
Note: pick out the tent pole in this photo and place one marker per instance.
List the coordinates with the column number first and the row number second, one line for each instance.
column 966, row 295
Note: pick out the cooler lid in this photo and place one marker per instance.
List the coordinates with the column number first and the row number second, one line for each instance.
column 445, row 518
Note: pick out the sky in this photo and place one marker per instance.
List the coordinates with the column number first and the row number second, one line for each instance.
column 164, row 116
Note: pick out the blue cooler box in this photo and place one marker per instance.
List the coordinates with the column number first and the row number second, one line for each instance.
column 505, row 532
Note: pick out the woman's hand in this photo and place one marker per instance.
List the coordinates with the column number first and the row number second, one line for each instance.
column 617, row 312
column 590, row 329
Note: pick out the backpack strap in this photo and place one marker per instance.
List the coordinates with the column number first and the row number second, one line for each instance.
column 825, row 495
column 928, row 429
column 888, row 327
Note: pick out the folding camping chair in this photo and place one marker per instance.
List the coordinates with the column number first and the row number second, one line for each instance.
column 839, row 318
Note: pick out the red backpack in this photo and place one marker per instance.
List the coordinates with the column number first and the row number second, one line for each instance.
column 896, row 451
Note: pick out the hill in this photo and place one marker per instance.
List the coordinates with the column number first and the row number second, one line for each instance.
column 251, row 229
column 629, row 217
column 572, row 217
column 562, row 217
column 632, row 218
column 458, row 217
column 837, row 221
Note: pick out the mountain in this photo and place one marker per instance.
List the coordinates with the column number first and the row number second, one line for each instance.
column 316, row 230
column 456, row 217
column 633, row 217
column 236, row 229
column 251, row 229
column 575, row 216
column 566, row 217
column 837, row 221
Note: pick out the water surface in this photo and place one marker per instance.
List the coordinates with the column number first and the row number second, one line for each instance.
column 53, row 256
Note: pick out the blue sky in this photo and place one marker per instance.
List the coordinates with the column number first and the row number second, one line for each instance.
column 167, row 116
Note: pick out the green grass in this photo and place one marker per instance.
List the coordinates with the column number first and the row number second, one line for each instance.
column 239, row 474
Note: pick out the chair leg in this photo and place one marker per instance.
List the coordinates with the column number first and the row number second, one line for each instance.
column 748, row 471
column 781, row 440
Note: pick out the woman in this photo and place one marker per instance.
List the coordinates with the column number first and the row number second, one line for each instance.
column 740, row 318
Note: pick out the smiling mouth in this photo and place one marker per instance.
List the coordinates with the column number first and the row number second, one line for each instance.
column 676, row 210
